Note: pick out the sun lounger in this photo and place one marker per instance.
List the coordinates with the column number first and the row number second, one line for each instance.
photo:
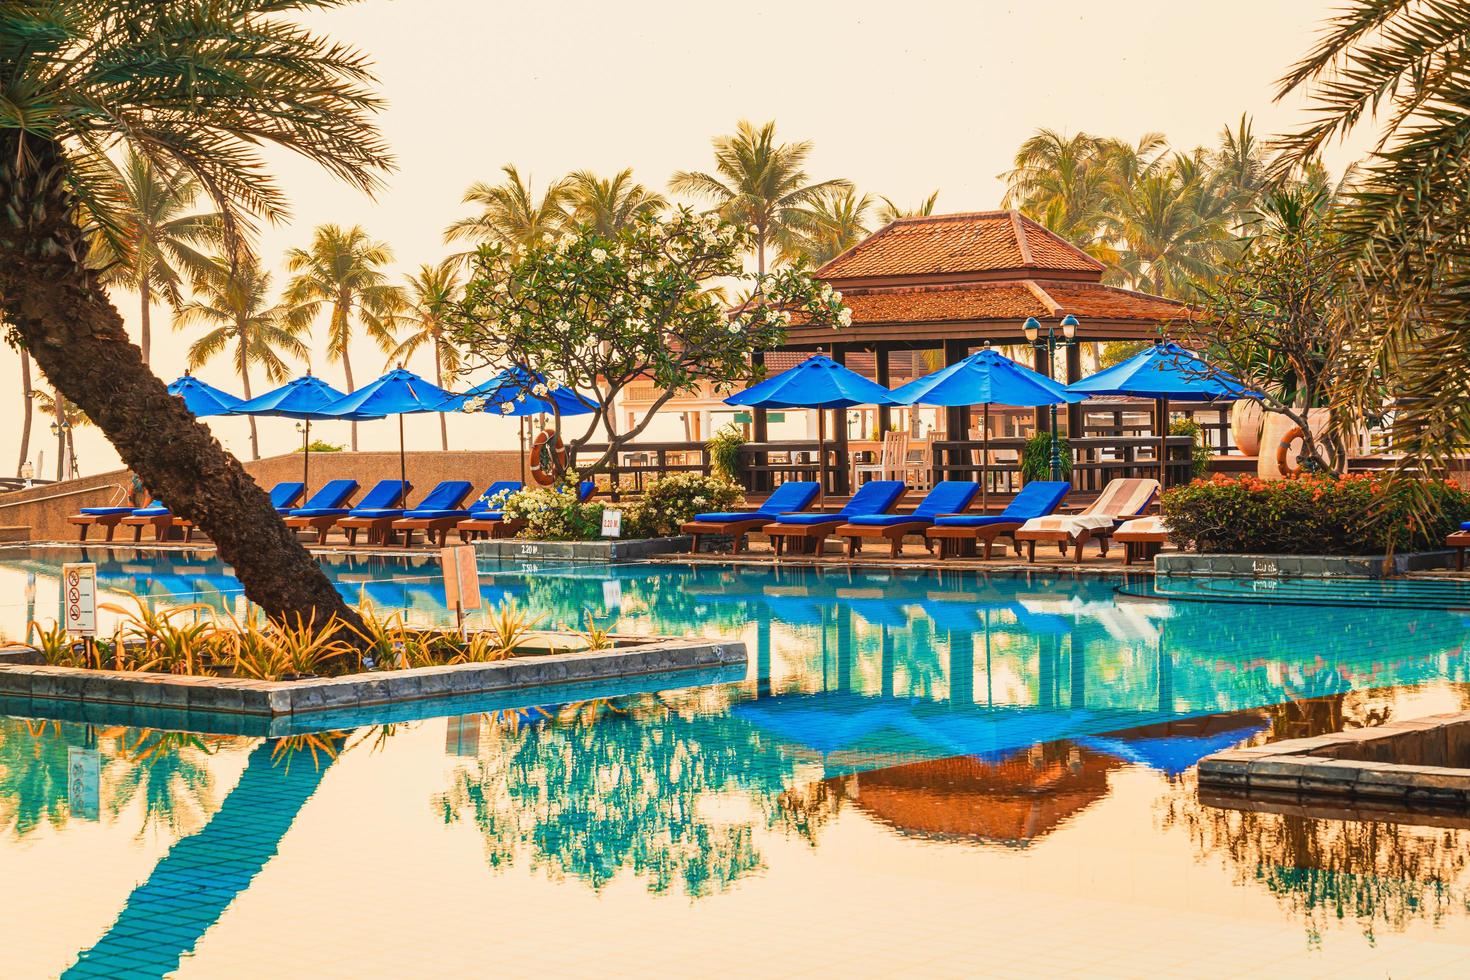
column 809, row 532
column 328, row 502
column 1460, row 540
column 158, row 517
column 958, row 534
column 790, row 497
column 491, row 523
column 436, row 513
column 107, row 518
column 1120, row 500
column 375, row 513
column 947, row 497
column 284, row 496
column 1142, row 539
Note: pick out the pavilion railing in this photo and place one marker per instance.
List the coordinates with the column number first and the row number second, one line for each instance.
column 1095, row 461
column 634, row 464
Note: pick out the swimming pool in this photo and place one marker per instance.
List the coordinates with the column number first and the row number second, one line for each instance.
column 936, row 772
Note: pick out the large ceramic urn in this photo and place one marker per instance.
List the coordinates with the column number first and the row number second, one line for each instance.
column 1245, row 426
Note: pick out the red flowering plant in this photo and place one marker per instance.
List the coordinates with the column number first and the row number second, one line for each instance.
column 1322, row 514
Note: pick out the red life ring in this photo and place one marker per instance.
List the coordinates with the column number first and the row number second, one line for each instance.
column 547, row 451
column 1284, row 447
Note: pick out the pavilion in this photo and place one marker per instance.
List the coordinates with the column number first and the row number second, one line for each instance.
column 928, row 291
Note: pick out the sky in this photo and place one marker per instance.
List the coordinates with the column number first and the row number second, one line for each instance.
column 901, row 98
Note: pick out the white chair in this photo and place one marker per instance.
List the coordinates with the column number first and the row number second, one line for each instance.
column 892, row 461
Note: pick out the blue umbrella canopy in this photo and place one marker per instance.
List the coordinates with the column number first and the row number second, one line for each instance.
column 300, row 398
column 1170, row 755
column 399, row 392
column 203, row 399
column 817, row 382
column 1163, row 371
column 987, row 377
column 513, row 387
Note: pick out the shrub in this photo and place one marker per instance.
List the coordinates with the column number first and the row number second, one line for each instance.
column 1036, row 457
column 1314, row 514
column 1199, row 456
column 673, row 500
column 724, row 451
column 554, row 513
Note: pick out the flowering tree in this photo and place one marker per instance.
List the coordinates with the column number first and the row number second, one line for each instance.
column 595, row 314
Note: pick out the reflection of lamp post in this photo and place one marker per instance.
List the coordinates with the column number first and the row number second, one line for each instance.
column 1032, row 328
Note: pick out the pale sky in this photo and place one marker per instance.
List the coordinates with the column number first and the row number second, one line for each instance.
column 901, row 98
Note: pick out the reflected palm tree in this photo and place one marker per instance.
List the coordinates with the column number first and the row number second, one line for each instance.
column 170, row 774
column 33, row 773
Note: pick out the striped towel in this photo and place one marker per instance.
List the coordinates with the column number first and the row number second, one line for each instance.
column 1153, row 524
column 1119, row 499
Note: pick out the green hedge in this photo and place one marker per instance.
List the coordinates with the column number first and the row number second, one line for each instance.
column 1315, row 515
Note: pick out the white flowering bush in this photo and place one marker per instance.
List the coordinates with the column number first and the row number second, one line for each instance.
column 554, row 513
column 673, row 500
column 597, row 314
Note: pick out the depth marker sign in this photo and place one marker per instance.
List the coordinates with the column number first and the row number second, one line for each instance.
column 79, row 598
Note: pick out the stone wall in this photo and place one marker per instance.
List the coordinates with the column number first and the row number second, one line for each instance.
column 44, row 509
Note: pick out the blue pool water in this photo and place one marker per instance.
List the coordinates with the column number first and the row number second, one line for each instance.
column 934, row 772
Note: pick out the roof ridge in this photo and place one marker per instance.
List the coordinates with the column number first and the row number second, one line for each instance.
column 1060, row 240
column 1043, row 296
column 1020, row 230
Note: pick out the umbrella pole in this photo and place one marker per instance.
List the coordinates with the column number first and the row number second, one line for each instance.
column 402, row 461
column 822, row 451
column 1162, row 407
column 306, row 462
column 521, row 437
column 985, row 468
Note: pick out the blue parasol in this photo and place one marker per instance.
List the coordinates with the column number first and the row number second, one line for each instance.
column 817, row 382
column 301, row 398
column 203, row 399
column 400, row 392
column 511, row 393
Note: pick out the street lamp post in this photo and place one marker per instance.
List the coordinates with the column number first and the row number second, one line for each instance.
column 1050, row 343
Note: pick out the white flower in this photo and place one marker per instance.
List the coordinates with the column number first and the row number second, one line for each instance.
column 506, row 408
column 836, row 296
column 845, row 317
column 734, row 326
column 515, row 319
column 539, row 391
column 785, row 316
column 598, row 255
column 474, row 404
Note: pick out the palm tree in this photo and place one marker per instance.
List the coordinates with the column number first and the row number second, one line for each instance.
column 1063, row 182
column 609, row 205
column 431, row 297
column 1241, row 167
column 343, row 271
column 232, row 300
column 65, row 416
column 25, row 412
column 833, row 224
column 151, row 244
column 889, row 212
column 1170, row 230
column 202, row 87
column 1398, row 66
column 510, row 214
column 758, row 182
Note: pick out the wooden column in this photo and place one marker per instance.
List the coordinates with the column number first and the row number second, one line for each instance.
column 1042, row 365
column 885, row 413
column 1074, row 373
column 956, row 418
column 842, row 468
column 759, row 431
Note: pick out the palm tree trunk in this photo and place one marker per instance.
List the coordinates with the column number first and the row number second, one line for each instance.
column 25, row 416
column 62, row 315
column 760, row 250
column 60, row 444
column 439, row 380
column 347, row 370
column 145, row 292
column 245, row 386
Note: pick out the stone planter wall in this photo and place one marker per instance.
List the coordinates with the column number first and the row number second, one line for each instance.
column 1310, row 566
column 607, row 550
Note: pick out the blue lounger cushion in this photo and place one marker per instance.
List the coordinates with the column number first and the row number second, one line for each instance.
column 374, row 512
column 434, row 513
column 487, row 515
column 447, row 495
column 284, row 495
column 874, row 497
column 385, row 495
column 1036, row 499
column 946, row 497
column 329, row 499
column 1464, row 526
column 105, row 511
column 152, row 510
column 789, row 497
column 318, row 512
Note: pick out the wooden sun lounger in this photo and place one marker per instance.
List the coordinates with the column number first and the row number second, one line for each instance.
column 1141, row 544
column 1460, row 540
column 961, row 542
column 379, row 528
column 320, row 523
column 1120, row 500
column 107, row 522
column 487, row 527
column 161, row 524
column 737, row 530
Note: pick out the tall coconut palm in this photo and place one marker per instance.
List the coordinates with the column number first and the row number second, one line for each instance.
column 153, row 241
column 510, row 212
column 889, row 212
column 26, row 414
column 1063, row 182
column 65, row 416
column 1241, row 167
column 609, row 204
column 343, row 272
column 1170, row 229
column 198, row 86
column 758, row 182
column 432, row 293
column 837, row 221
column 232, row 301
column 1396, row 68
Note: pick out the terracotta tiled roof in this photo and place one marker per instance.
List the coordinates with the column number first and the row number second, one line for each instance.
column 1009, row 300
column 952, row 244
